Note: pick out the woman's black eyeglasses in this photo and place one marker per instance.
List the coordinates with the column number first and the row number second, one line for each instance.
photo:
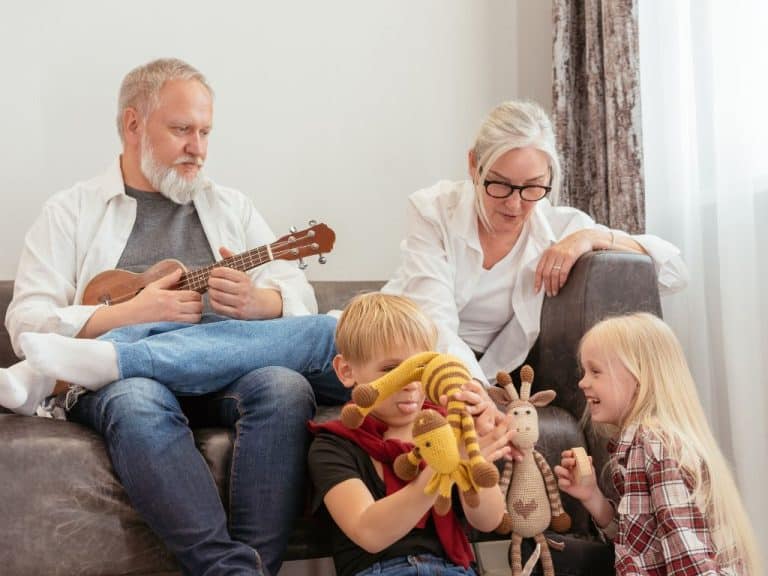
column 529, row 193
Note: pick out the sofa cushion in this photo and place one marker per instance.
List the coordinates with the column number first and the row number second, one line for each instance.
column 63, row 510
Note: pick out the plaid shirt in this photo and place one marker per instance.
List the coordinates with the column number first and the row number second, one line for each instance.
column 658, row 529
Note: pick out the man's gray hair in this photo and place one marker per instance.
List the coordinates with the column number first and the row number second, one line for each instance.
column 141, row 86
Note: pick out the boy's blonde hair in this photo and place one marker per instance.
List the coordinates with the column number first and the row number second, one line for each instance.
column 667, row 404
column 374, row 323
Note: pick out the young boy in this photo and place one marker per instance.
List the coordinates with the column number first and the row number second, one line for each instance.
column 382, row 524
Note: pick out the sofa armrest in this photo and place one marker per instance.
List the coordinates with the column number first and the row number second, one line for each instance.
column 601, row 284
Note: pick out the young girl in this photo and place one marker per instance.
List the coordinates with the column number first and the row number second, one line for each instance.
column 679, row 510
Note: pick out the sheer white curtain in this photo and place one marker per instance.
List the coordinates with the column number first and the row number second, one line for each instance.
column 704, row 79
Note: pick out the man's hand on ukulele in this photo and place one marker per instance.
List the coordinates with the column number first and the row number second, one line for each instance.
column 232, row 294
column 159, row 301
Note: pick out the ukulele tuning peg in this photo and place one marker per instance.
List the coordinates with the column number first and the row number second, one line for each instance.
column 302, row 265
column 292, row 229
column 322, row 259
column 312, row 222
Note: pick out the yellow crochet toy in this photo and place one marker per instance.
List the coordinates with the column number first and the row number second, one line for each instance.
column 436, row 445
column 533, row 499
column 441, row 375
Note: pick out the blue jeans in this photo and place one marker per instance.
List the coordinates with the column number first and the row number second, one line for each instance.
column 153, row 452
column 416, row 565
column 210, row 381
column 192, row 359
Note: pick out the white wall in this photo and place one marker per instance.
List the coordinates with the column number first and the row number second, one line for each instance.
column 334, row 110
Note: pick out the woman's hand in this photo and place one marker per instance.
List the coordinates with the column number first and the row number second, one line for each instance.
column 557, row 260
column 489, row 420
column 479, row 405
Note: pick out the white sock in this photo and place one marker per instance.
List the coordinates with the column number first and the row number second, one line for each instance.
column 90, row 363
column 22, row 388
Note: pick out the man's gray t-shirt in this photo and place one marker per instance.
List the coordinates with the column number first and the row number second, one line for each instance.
column 164, row 229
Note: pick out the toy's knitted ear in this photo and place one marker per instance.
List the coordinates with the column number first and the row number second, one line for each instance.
column 499, row 396
column 542, row 398
column 504, row 392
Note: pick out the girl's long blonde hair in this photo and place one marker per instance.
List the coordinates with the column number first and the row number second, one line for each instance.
column 667, row 405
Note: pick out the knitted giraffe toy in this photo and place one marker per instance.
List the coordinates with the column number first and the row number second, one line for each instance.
column 533, row 499
column 441, row 375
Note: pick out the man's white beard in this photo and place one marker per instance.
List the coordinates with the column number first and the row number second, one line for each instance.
column 166, row 179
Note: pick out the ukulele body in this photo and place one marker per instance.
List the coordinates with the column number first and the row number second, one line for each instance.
column 115, row 286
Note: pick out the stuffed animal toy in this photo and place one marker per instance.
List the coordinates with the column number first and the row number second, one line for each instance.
column 533, row 499
column 435, row 443
column 441, row 375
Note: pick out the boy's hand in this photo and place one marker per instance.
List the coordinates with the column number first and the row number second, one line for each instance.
column 497, row 443
column 586, row 489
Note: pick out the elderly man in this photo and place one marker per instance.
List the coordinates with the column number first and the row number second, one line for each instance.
column 155, row 203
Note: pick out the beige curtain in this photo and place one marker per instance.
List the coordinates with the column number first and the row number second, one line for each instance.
column 596, row 109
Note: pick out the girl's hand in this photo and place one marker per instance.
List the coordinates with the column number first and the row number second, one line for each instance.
column 587, row 489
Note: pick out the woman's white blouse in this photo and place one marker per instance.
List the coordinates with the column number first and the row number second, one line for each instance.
column 441, row 269
column 490, row 308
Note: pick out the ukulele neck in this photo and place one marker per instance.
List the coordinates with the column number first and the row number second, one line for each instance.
column 197, row 279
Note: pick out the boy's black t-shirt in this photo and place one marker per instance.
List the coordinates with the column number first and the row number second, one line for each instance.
column 333, row 460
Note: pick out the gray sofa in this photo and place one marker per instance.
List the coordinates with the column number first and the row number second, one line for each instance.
column 64, row 512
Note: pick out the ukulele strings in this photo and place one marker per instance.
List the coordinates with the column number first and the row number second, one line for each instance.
column 198, row 279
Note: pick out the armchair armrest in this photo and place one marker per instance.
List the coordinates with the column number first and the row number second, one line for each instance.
column 601, row 284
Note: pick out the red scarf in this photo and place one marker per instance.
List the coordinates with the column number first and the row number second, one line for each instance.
column 370, row 437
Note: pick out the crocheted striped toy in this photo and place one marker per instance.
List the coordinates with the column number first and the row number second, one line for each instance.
column 441, row 375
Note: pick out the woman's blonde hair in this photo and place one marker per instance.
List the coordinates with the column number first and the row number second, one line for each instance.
column 373, row 323
column 514, row 124
column 141, row 87
column 667, row 405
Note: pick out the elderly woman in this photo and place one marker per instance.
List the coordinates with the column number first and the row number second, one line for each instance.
column 480, row 255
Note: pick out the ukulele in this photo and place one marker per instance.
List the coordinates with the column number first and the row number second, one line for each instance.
column 115, row 286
